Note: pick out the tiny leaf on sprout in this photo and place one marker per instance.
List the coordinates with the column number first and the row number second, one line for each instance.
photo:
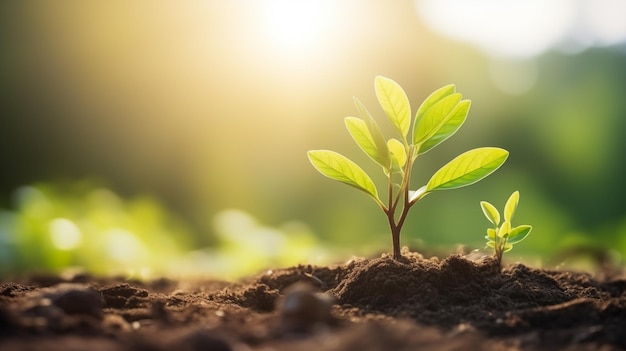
column 504, row 230
column 511, row 206
column 519, row 233
column 491, row 234
column 490, row 212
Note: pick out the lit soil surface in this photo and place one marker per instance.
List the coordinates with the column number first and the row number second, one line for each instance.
column 367, row 304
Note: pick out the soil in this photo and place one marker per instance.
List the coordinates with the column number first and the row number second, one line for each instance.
column 366, row 304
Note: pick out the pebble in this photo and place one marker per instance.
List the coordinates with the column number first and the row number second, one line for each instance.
column 66, row 298
column 59, row 307
column 77, row 299
column 303, row 307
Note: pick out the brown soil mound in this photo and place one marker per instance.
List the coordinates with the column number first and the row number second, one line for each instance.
column 379, row 304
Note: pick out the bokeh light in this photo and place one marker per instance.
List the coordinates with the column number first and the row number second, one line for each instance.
column 65, row 235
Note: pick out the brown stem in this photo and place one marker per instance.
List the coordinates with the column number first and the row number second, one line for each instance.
column 396, row 227
column 395, row 235
column 395, row 232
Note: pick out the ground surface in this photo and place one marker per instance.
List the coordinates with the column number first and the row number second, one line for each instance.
column 366, row 304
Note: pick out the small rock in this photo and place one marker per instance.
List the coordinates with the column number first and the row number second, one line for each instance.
column 66, row 298
column 302, row 307
column 39, row 311
column 60, row 307
column 77, row 299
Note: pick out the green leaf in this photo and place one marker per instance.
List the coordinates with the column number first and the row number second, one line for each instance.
column 511, row 206
column 434, row 118
column 447, row 126
column 398, row 154
column 504, row 230
column 491, row 244
column 432, row 99
column 519, row 233
column 491, row 234
column 362, row 136
column 395, row 103
column 338, row 167
column 507, row 247
column 468, row 168
column 382, row 157
column 428, row 103
column 490, row 212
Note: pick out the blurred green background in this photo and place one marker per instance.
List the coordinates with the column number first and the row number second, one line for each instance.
column 154, row 137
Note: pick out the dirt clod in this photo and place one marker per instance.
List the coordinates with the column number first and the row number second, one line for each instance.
column 76, row 299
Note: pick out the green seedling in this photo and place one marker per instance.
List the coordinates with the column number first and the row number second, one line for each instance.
column 501, row 238
column 438, row 118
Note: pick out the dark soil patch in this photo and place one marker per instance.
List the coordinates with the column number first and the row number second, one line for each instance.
column 379, row 304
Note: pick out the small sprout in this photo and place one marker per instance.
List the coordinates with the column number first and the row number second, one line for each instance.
column 502, row 237
column 437, row 119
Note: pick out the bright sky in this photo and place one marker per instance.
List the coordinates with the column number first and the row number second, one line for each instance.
column 527, row 28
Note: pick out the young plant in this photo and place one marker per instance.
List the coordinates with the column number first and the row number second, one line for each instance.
column 438, row 118
column 502, row 237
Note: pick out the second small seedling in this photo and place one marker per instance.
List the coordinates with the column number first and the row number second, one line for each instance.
column 502, row 237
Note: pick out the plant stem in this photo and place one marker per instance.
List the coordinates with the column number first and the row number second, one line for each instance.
column 391, row 218
column 499, row 259
column 395, row 235
column 499, row 249
column 396, row 226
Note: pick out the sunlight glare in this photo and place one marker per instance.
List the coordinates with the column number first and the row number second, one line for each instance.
column 297, row 24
